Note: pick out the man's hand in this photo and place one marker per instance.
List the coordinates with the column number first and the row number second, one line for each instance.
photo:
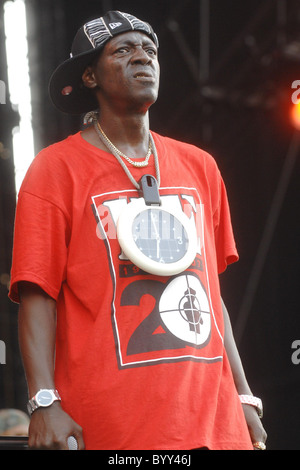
column 50, row 428
column 256, row 429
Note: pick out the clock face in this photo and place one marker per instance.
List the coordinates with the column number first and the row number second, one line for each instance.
column 157, row 239
column 160, row 236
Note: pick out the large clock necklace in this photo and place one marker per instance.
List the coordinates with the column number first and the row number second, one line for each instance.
column 152, row 234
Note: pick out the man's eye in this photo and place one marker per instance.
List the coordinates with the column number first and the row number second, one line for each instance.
column 151, row 51
column 122, row 50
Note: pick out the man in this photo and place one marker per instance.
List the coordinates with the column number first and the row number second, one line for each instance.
column 117, row 347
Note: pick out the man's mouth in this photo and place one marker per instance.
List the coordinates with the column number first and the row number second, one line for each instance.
column 143, row 75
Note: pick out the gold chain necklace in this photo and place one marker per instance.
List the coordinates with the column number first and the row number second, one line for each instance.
column 121, row 154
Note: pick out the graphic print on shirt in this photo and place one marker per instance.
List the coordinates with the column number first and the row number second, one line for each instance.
column 158, row 319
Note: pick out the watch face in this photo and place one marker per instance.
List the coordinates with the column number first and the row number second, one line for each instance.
column 44, row 398
column 160, row 236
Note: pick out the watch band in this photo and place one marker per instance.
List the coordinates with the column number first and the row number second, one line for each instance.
column 253, row 401
column 33, row 404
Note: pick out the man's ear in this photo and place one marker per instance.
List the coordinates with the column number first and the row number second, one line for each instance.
column 88, row 78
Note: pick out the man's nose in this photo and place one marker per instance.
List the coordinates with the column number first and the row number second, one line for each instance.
column 140, row 55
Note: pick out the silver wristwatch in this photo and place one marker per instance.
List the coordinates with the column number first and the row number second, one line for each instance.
column 44, row 398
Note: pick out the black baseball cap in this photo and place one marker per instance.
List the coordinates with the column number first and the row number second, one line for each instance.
column 66, row 88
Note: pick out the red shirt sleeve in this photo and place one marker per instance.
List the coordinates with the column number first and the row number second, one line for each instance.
column 40, row 245
column 226, row 250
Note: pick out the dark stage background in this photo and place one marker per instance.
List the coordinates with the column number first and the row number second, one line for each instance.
column 227, row 67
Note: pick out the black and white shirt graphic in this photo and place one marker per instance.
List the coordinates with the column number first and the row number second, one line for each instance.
column 184, row 310
column 158, row 319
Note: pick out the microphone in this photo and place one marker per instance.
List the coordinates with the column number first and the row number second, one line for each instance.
column 72, row 443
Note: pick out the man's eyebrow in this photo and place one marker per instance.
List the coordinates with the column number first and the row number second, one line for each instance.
column 129, row 42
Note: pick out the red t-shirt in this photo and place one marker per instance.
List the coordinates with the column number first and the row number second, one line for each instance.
column 134, row 369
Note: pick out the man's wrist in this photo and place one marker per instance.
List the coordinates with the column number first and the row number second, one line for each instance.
column 43, row 399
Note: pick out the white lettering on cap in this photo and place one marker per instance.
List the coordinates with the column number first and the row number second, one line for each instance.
column 115, row 25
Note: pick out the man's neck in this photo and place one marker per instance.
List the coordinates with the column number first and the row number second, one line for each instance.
column 129, row 133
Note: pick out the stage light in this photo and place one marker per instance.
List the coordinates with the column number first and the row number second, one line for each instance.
column 295, row 115
column 19, row 85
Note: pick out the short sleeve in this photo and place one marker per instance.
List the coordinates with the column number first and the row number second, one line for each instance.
column 226, row 250
column 40, row 245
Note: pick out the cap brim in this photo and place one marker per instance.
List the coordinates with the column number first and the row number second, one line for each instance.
column 66, row 89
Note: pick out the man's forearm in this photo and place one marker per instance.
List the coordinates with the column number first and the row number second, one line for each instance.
column 51, row 426
column 37, row 327
column 234, row 357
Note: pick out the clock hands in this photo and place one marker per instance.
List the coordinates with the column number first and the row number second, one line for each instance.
column 153, row 220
